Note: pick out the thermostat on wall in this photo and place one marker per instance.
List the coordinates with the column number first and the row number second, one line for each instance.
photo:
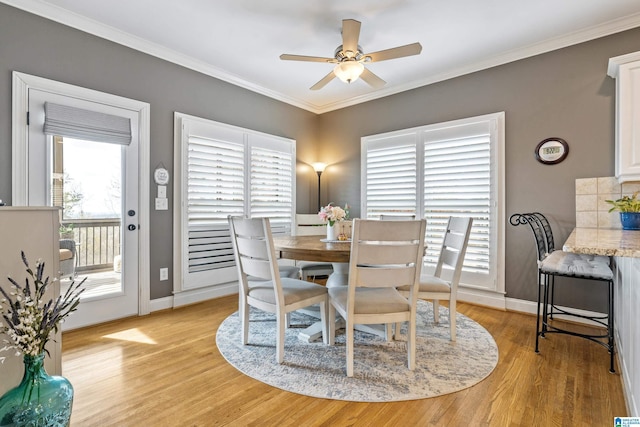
column 161, row 176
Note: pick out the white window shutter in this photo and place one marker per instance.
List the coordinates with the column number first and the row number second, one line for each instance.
column 226, row 170
column 390, row 176
column 215, row 189
column 272, row 182
column 457, row 173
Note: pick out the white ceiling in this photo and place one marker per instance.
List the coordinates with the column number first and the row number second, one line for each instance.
column 240, row 41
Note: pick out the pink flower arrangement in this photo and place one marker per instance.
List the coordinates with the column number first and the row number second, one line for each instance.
column 331, row 213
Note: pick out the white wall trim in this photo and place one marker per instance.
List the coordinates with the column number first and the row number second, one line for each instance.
column 96, row 28
column 482, row 297
column 21, row 85
column 203, row 294
column 159, row 304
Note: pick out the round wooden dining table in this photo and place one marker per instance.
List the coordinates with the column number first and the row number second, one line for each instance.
column 312, row 248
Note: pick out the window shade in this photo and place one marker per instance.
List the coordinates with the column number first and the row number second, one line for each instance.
column 72, row 122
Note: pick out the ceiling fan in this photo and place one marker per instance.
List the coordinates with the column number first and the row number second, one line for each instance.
column 349, row 58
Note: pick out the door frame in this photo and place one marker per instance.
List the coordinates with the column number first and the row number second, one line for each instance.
column 19, row 138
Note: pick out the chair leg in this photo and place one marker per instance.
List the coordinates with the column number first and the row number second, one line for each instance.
column 324, row 318
column 287, row 320
column 396, row 332
column 388, row 332
column 349, row 330
column 540, row 285
column 411, row 343
column 452, row 319
column 280, row 321
column 243, row 309
column 331, row 320
column 436, row 311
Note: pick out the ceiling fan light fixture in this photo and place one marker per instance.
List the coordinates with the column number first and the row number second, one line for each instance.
column 348, row 71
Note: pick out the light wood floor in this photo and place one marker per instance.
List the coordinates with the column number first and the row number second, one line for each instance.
column 165, row 370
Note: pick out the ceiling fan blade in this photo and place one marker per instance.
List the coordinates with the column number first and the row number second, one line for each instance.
column 322, row 83
column 373, row 80
column 287, row 57
column 350, row 35
column 396, row 52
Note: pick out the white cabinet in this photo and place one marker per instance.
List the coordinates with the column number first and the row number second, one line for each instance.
column 626, row 70
column 627, row 319
column 33, row 230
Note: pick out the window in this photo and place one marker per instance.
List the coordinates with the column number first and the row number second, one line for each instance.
column 226, row 170
column 441, row 170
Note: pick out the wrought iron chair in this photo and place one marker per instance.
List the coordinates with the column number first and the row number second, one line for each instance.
column 551, row 263
column 255, row 256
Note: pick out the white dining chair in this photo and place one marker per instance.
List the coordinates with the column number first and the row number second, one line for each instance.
column 255, row 256
column 312, row 225
column 384, row 256
column 436, row 287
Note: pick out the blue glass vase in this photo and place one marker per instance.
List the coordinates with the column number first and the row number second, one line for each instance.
column 39, row 400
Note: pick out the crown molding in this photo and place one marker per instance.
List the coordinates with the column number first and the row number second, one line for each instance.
column 96, row 28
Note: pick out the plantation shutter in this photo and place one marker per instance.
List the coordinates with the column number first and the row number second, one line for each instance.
column 458, row 171
column 457, row 182
column 78, row 123
column 228, row 171
column 272, row 168
column 390, row 176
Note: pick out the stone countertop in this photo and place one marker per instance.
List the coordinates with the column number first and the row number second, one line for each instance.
column 604, row 241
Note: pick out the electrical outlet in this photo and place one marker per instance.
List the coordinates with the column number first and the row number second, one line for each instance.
column 164, row 274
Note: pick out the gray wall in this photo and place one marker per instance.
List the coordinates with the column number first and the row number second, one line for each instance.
column 40, row 47
column 564, row 93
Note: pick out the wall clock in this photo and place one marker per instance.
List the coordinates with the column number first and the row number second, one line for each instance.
column 552, row 150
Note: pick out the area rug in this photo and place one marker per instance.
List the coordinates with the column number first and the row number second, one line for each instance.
column 380, row 373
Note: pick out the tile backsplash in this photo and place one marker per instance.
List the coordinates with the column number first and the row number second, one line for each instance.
column 591, row 209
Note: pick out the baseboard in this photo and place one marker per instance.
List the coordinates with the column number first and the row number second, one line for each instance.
column 482, row 297
column 203, row 294
column 160, row 304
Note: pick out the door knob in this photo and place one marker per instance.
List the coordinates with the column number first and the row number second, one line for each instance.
column 131, row 227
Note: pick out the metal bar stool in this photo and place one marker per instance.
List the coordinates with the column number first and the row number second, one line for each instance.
column 552, row 263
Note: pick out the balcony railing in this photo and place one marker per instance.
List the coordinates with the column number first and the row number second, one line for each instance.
column 97, row 242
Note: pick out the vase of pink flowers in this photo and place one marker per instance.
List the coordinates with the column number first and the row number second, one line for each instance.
column 333, row 215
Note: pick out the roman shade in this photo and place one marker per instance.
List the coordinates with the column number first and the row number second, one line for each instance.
column 72, row 122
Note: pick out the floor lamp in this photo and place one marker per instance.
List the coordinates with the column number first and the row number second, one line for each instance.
column 319, row 168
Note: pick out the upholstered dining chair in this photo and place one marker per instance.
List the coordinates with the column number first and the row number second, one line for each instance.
column 255, row 257
column 312, row 225
column 384, row 256
column 436, row 287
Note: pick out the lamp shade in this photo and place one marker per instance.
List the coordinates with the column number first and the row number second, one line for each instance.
column 319, row 167
column 348, row 71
